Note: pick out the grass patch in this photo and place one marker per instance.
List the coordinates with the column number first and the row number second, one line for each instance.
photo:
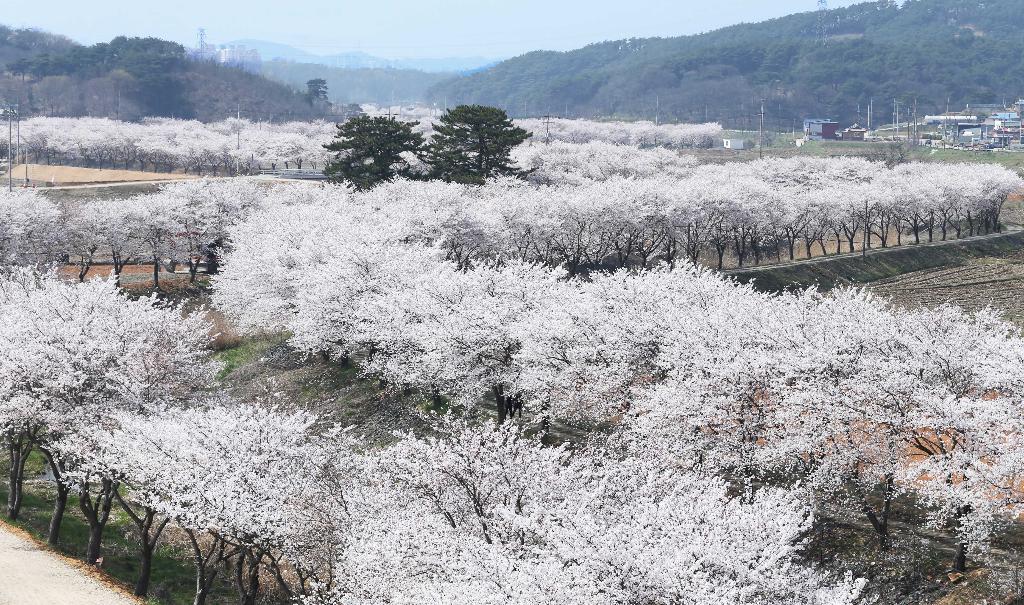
column 246, row 352
column 852, row 269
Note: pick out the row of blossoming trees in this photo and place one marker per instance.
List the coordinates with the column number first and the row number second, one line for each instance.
column 237, row 145
column 168, row 145
column 634, row 133
column 583, row 207
column 638, row 134
column 720, row 421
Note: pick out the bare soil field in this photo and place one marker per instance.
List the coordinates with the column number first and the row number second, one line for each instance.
column 43, row 175
column 133, row 277
column 995, row 279
column 996, row 282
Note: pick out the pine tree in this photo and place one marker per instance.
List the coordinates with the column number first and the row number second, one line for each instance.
column 316, row 91
column 369, row 151
column 473, row 143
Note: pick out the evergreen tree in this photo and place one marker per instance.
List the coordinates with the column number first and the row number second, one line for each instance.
column 316, row 90
column 473, row 143
column 369, row 151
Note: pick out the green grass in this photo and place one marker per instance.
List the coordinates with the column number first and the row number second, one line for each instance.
column 1011, row 160
column 173, row 578
column 246, row 352
column 1008, row 159
column 782, row 145
column 852, row 269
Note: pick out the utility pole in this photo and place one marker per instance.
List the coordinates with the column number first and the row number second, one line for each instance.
column 657, row 109
column 896, row 118
column 9, row 110
column 1020, row 119
column 760, row 134
column 20, row 153
column 917, row 136
column 867, row 232
column 238, row 138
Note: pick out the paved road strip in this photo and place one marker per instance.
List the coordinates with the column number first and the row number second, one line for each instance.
column 32, row 575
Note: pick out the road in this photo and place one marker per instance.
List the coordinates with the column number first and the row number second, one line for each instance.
column 31, row 575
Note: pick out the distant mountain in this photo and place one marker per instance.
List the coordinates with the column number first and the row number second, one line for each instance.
column 272, row 51
column 381, row 86
column 132, row 78
column 931, row 51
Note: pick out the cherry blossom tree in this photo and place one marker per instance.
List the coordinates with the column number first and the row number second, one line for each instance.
column 30, row 231
column 73, row 355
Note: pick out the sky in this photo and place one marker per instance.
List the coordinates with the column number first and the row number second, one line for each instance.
column 401, row 28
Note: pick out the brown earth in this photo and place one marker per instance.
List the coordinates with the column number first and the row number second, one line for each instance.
column 44, row 175
column 996, row 282
column 133, row 277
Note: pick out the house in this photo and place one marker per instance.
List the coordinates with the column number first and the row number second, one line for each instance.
column 969, row 134
column 821, row 130
column 736, row 144
column 855, row 133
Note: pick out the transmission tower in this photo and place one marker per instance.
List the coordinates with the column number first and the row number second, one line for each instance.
column 822, row 21
column 201, row 40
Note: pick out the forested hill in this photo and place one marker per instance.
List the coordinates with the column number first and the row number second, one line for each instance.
column 132, row 78
column 966, row 51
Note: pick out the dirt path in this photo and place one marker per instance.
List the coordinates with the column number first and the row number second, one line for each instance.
column 30, row 575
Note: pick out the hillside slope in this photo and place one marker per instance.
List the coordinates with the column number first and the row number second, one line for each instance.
column 132, row 78
column 966, row 51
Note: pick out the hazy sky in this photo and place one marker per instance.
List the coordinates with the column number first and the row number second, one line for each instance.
column 400, row 28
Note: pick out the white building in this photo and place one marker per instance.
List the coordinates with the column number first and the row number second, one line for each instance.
column 737, row 144
column 950, row 119
column 238, row 55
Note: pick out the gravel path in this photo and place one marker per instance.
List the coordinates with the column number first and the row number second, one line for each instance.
column 30, row 575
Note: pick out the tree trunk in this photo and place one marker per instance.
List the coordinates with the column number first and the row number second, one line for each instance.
column 149, row 535
column 960, row 558
column 61, row 502
column 500, row 403
column 145, row 569
column 206, row 565
column 57, row 518
column 96, row 513
column 92, row 552
column 247, row 578
column 17, row 454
